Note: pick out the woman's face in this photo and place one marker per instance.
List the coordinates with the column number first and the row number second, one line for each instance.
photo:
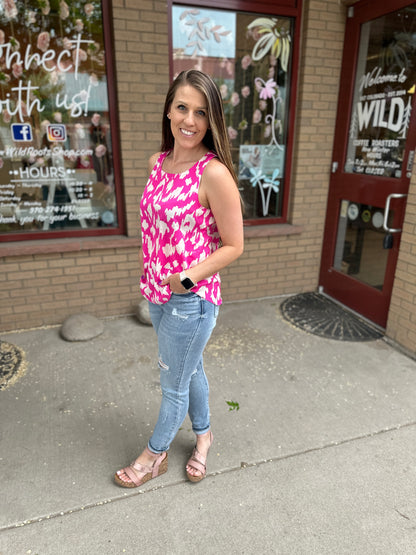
column 188, row 117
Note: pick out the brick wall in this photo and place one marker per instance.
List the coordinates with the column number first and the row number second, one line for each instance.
column 42, row 288
column 43, row 282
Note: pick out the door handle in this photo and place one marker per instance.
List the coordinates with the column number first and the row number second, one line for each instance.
column 387, row 210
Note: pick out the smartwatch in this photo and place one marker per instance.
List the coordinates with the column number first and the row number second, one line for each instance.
column 186, row 282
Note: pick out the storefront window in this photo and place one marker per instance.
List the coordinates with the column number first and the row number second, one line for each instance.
column 383, row 96
column 249, row 56
column 56, row 155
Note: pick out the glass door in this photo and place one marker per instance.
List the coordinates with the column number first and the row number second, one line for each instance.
column 373, row 157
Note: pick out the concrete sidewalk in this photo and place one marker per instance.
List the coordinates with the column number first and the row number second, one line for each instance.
column 319, row 458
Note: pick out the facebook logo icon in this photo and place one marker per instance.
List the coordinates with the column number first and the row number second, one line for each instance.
column 21, row 132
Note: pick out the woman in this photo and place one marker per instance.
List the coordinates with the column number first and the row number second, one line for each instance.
column 192, row 227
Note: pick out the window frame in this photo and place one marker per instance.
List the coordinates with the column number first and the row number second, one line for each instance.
column 113, row 113
column 284, row 8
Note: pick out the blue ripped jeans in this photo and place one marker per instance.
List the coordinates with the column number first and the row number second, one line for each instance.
column 183, row 326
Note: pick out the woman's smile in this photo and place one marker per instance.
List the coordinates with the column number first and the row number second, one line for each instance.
column 188, row 133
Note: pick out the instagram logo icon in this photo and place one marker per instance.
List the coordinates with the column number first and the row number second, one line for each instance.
column 56, row 132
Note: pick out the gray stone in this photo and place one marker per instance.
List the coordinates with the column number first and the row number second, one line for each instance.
column 142, row 313
column 81, row 327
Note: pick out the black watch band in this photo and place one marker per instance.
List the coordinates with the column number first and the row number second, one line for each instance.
column 186, row 282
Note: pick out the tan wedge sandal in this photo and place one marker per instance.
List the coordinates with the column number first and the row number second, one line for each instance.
column 199, row 462
column 159, row 467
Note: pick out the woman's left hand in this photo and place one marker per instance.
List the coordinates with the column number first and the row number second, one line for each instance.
column 175, row 284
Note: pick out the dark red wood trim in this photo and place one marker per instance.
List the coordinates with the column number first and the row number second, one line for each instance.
column 285, row 7
column 107, row 11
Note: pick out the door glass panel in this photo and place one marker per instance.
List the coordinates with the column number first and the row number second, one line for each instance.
column 384, row 87
column 360, row 251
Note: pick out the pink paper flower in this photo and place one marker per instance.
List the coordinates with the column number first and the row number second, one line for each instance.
column 223, row 91
column 6, row 116
column 80, row 54
column 17, row 70
column 63, row 9
column 235, row 99
column 262, row 105
column 256, row 116
column 43, row 41
column 229, row 66
column 246, row 61
column 232, row 133
column 245, row 91
column 10, row 10
column 88, row 9
column 100, row 151
column 67, row 43
column 57, row 116
column 2, row 36
column 45, row 7
column 79, row 25
column 30, row 17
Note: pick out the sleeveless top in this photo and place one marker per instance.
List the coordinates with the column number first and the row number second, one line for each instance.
column 177, row 231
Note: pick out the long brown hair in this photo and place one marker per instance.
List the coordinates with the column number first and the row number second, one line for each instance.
column 216, row 138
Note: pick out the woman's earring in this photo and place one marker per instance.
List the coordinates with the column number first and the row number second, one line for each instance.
column 168, row 116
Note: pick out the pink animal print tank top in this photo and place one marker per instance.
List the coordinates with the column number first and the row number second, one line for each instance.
column 177, row 231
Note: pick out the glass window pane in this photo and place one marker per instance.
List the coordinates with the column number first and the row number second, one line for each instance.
column 56, row 163
column 384, row 89
column 249, row 57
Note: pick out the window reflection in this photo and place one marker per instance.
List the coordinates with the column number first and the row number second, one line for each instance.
column 56, row 164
